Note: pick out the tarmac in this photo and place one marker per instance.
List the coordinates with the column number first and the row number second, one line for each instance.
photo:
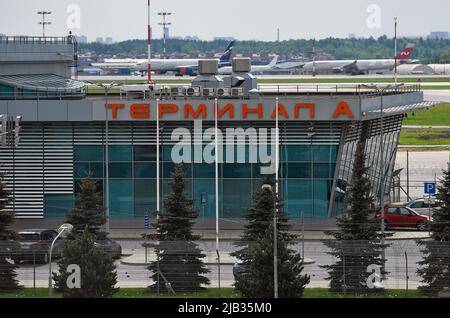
column 133, row 257
column 140, row 259
column 233, row 235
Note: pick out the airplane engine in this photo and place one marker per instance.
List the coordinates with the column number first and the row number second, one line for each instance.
column 185, row 71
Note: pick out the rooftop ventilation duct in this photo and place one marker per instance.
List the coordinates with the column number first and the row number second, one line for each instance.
column 208, row 67
column 207, row 80
column 241, row 65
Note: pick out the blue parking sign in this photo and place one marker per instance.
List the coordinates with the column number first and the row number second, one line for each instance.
column 430, row 188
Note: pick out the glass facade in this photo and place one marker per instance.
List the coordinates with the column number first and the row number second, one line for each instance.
column 306, row 175
column 368, row 132
column 315, row 168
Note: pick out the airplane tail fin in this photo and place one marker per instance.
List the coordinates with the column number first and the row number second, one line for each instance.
column 406, row 54
column 274, row 61
column 226, row 56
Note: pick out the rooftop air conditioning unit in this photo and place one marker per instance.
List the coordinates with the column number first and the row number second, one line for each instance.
column 237, row 92
column 193, row 91
column 208, row 92
column 223, row 92
column 177, row 91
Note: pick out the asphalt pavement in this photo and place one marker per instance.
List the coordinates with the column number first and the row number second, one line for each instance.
column 138, row 276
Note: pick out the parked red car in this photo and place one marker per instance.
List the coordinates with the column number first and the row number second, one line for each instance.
column 401, row 216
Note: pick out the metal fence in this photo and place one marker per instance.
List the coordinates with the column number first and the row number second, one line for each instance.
column 138, row 264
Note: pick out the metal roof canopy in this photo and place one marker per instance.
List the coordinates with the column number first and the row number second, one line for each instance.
column 43, row 82
column 405, row 108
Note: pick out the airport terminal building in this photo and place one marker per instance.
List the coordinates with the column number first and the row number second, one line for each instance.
column 66, row 133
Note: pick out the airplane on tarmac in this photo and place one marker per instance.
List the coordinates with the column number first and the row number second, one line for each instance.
column 227, row 70
column 360, row 67
column 178, row 66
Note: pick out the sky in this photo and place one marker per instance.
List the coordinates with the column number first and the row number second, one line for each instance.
column 241, row 19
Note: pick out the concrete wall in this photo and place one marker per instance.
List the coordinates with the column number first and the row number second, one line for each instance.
column 21, row 58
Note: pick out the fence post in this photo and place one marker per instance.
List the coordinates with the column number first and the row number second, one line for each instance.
column 407, row 274
column 303, row 237
column 159, row 273
column 145, row 244
column 34, row 272
column 343, row 270
column 218, row 271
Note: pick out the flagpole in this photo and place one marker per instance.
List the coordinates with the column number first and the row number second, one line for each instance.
column 149, row 50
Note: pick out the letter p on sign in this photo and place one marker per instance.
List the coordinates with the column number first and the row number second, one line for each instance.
column 430, row 188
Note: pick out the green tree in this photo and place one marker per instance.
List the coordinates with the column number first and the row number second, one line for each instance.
column 98, row 272
column 88, row 211
column 8, row 273
column 179, row 260
column 435, row 265
column 425, row 49
column 254, row 278
column 357, row 242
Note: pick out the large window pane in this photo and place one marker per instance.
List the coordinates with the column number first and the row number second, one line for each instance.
column 236, row 197
column 121, row 198
column 237, row 170
column 295, row 153
column 145, row 170
column 144, row 197
column 80, row 170
column 204, row 170
column 96, row 169
column 324, row 170
column 324, row 153
column 297, row 170
column 321, row 198
column 88, row 153
column 145, row 153
column 120, row 153
column 298, row 197
column 57, row 205
column 207, row 210
column 120, row 170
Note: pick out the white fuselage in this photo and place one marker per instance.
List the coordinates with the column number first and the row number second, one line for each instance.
column 363, row 65
column 228, row 70
column 164, row 65
column 157, row 65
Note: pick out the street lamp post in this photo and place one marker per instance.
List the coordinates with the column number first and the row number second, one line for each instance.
column 43, row 23
column 65, row 227
column 216, row 181
column 107, row 87
column 382, row 181
column 164, row 24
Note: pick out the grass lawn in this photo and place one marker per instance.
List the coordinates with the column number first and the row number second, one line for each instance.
column 435, row 137
column 438, row 115
column 299, row 80
column 410, row 80
column 215, row 293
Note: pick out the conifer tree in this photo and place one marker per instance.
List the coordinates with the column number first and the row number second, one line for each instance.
column 89, row 210
column 357, row 243
column 8, row 273
column 435, row 265
column 255, row 275
column 179, row 265
column 98, row 272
